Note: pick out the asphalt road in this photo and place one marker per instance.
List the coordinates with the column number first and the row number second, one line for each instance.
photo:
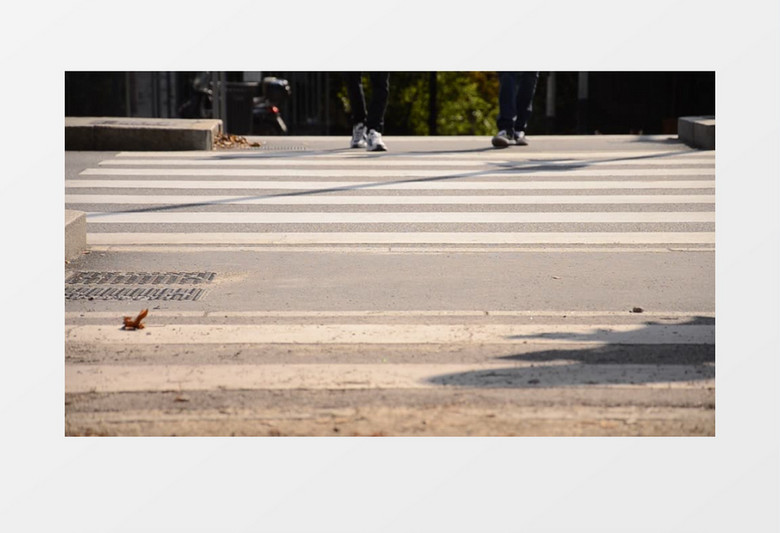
column 440, row 288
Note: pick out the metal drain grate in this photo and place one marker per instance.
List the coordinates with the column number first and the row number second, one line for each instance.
column 141, row 278
column 140, row 293
column 101, row 285
column 284, row 148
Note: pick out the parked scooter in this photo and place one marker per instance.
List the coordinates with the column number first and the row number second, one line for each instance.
column 267, row 119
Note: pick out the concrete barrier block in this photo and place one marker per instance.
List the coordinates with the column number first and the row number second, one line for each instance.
column 140, row 134
column 704, row 134
column 697, row 131
column 79, row 138
column 685, row 129
column 75, row 233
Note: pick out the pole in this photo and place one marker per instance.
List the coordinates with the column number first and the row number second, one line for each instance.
column 327, row 104
column 218, row 105
column 550, row 110
column 128, row 111
column 155, row 83
column 432, row 107
column 582, row 103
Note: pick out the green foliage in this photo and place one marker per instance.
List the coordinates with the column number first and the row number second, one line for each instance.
column 407, row 108
column 466, row 103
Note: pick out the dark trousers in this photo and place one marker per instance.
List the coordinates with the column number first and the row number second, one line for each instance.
column 515, row 99
column 373, row 116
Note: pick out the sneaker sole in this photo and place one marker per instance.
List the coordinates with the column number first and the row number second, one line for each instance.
column 500, row 143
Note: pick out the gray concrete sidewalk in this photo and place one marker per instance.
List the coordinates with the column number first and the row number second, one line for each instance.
column 148, row 134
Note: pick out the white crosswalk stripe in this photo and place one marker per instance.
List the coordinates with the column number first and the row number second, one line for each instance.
column 320, row 187
column 205, row 161
column 550, row 172
column 199, row 198
column 587, row 157
column 397, row 218
column 388, row 200
column 269, row 238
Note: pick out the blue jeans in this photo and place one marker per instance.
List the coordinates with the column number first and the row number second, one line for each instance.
column 374, row 116
column 515, row 100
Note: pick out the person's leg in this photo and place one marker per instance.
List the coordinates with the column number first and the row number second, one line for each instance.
column 507, row 111
column 507, row 101
column 380, row 90
column 525, row 98
column 357, row 104
column 375, row 125
column 357, row 99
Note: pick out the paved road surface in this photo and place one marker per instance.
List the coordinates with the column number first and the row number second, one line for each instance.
column 441, row 288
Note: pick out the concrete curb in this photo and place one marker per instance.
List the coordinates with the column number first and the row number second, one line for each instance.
column 140, row 134
column 698, row 132
column 75, row 233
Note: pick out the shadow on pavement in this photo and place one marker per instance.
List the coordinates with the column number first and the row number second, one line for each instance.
column 611, row 364
column 276, row 154
column 667, row 140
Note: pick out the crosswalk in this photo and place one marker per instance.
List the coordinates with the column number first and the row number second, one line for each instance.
column 651, row 198
column 364, row 365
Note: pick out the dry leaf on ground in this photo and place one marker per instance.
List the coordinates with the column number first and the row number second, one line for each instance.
column 135, row 324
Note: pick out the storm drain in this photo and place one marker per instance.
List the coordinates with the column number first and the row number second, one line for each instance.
column 141, row 278
column 102, row 285
column 284, row 147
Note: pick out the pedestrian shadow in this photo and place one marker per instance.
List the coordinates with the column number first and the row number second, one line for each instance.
column 275, row 154
column 556, row 165
column 507, row 167
column 418, row 153
column 666, row 140
column 624, row 363
column 293, row 153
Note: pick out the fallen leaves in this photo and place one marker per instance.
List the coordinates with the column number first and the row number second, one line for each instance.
column 131, row 323
column 233, row 141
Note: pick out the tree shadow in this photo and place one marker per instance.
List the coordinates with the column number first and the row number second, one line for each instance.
column 631, row 361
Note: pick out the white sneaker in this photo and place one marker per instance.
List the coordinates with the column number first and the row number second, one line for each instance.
column 358, row 136
column 501, row 139
column 520, row 138
column 375, row 143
